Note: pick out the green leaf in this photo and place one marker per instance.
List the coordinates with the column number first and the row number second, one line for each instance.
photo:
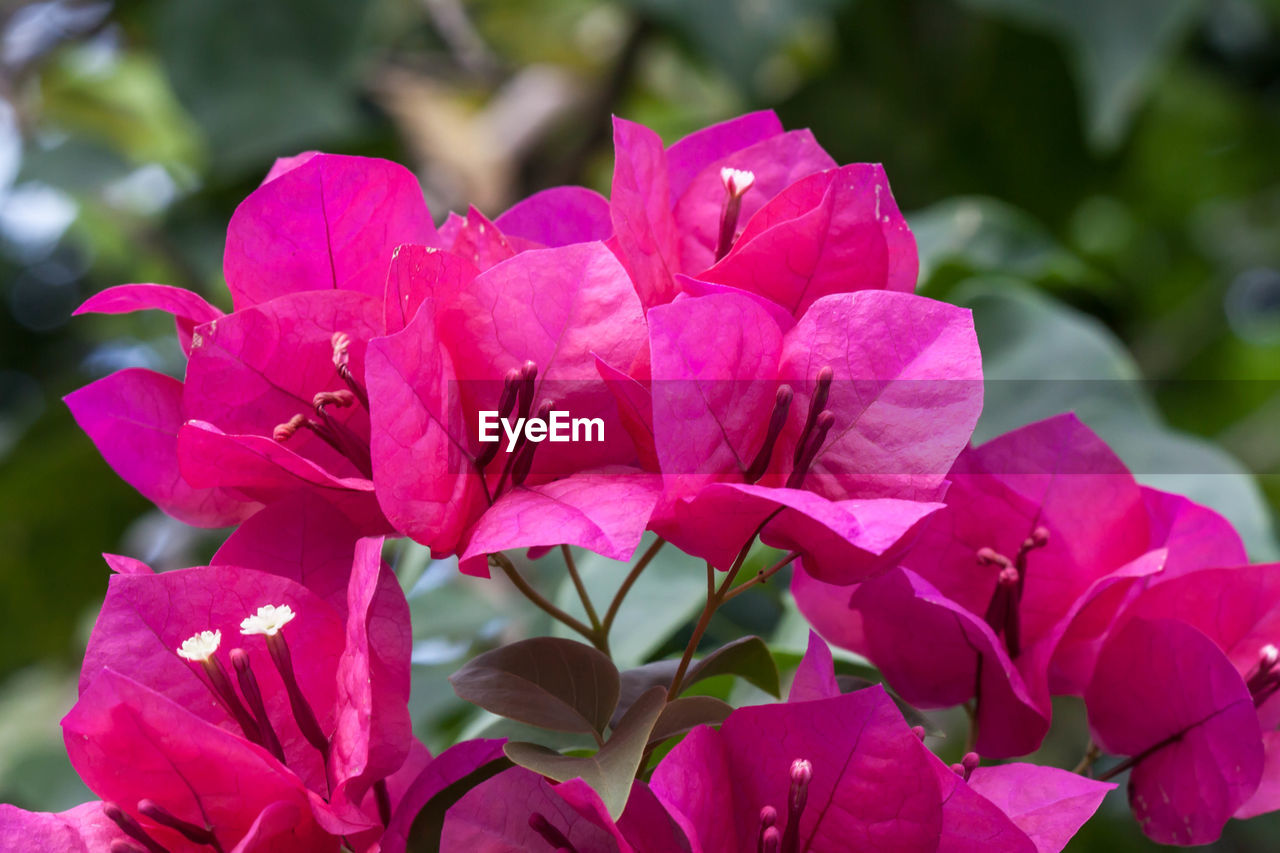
column 1116, row 48
column 545, row 681
column 749, row 658
column 612, row 769
column 668, row 594
column 1041, row 358
column 687, row 713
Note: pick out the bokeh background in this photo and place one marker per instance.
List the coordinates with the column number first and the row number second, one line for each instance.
column 1099, row 180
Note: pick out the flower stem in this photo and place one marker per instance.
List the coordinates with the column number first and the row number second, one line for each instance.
column 629, row 582
column 581, row 588
column 708, row 610
column 764, row 575
column 501, row 561
column 1090, row 756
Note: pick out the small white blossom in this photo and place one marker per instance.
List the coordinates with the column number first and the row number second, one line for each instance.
column 200, row 647
column 737, row 181
column 268, row 620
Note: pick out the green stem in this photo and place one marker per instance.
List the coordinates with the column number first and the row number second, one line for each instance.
column 764, row 575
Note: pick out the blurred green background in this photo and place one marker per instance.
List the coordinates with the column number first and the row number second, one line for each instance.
column 1099, row 180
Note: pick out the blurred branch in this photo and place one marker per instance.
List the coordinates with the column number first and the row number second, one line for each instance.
column 464, row 42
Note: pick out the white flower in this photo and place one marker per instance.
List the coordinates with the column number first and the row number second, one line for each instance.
column 737, row 181
column 268, row 620
column 200, row 647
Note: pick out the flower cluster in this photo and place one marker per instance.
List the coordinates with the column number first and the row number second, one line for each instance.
column 739, row 320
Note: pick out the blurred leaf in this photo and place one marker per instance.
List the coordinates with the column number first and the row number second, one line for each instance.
column 1116, row 48
column 738, row 36
column 668, row 594
column 545, row 681
column 984, row 235
column 299, row 90
column 612, row 769
column 1041, row 358
column 34, row 770
column 124, row 103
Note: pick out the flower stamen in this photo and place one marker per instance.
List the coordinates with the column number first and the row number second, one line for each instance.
column 195, row 834
column 736, row 183
column 200, row 648
column 342, row 361
column 777, row 420
column 268, row 621
column 253, row 696
column 132, row 828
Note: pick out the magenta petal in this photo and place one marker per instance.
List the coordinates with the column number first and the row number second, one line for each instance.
column 373, row 729
column 690, row 155
column 839, row 541
column 816, row 676
column 906, row 394
column 192, row 768
column 872, row 786
column 1267, row 796
column 83, row 829
column 970, row 822
column 605, row 511
column 1163, row 691
column 933, row 652
column 1196, row 536
column 562, row 309
column 188, row 309
column 422, row 468
column 146, row 618
column 416, row 273
column 1092, row 617
column 480, row 242
column 714, row 369
column 776, row 162
column 1054, row 473
column 448, row 767
column 266, row 470
column 494, row 817
column 283, row 165
column 559, row 216
column 826, row 607
column 133, row 416
column 635, row 408
column 697, row 287
column 254, row 370
column 331, row 223
column 301, row 537
column 643, row 226
column 833, row 232
column 127, row 565
column 1048, row 804
column 647, row 825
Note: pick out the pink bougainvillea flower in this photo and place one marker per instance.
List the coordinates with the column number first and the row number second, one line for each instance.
column 1039, row 523
column 832, row 437
column 521, row 339
column 1188, row 691
column 1007, row 807
column 328, row 712
column 747, row 205
column 518, row 811
column 839, row 773
column 83, row 829
column 306, row 261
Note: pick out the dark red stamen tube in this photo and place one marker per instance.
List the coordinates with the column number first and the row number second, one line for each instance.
column 122, row 846
column 822, row 426
column 524, row 456
column 220, row 686
column 253, row 696
column 131, row 828
column 506, row 404
column 777, row 420
column 528, row 378
column 801, row 775
column 306, row 718
column 768, row 817
column 821, row 391
column 193, row 833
